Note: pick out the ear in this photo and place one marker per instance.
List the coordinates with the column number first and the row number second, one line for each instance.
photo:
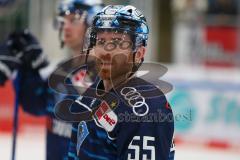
column 140, row 54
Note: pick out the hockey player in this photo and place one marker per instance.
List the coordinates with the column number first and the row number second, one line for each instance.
column 138, row 123
column 33, row 91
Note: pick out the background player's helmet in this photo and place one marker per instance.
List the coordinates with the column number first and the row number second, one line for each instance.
column 127, row 19
column 91, row 7
column 78, row 7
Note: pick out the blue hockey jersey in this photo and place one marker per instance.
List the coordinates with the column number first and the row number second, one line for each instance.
column 140, row 127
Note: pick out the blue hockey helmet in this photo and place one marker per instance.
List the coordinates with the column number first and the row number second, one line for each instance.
column 126, row 19
column 92, row 7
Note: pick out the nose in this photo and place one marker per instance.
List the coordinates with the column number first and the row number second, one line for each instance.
column 103, row 54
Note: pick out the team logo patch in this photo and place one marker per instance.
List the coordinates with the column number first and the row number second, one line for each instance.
column 81, row 135
column 106, row 117
column 78, row 79
column 135, row 100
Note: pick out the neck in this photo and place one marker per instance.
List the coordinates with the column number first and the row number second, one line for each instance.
column 107, row 85
column 76, row 50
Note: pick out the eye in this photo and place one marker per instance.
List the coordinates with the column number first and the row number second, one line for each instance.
column 75, row 20
column 71, row 20
column 100, row 42
column 126, row 45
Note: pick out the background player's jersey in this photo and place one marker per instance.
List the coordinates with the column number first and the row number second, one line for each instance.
column 141, row 131
column 38, row 99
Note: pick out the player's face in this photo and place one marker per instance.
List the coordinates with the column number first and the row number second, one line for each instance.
column 74, row 29
column 114, row 51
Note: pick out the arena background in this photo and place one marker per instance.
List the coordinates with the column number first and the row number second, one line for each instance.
column 197, row 40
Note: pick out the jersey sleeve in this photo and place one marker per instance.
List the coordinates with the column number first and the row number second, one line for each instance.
column 3, row 78
column 77, row 128
column 149, row 136
column 172, row 151
column 72, row 152
column 33, row 92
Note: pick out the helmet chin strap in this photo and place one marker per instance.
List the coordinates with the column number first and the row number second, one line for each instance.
column 60, row 36
column 135, row 67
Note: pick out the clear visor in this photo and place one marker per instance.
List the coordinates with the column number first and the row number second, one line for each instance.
column 112, row 39
column 71, row 18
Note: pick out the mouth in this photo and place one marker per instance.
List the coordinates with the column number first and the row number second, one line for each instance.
column 67, row 35
column 107, row 63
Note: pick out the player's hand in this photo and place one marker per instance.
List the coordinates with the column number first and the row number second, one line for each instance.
column 25, row 46
column 8, row 63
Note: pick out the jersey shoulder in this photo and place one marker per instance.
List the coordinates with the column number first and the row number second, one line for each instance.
column 140, row 94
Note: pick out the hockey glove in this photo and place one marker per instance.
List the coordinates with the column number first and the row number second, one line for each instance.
column 25, row 46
